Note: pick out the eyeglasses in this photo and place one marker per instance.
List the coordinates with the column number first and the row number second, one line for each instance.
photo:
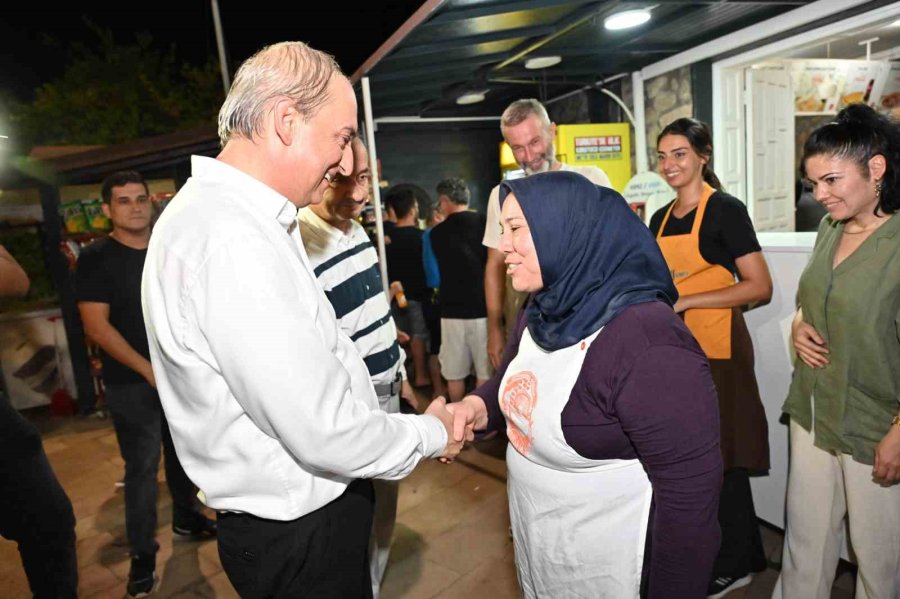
column 360, row 179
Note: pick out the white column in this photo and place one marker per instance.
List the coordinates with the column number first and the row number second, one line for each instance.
column 640, row 124
column 376, row 186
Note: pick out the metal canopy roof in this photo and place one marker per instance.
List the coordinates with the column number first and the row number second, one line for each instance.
column 456, row 46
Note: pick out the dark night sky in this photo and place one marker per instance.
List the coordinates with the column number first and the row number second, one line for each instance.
column 350, row 31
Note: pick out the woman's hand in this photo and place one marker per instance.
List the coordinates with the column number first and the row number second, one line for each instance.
column 887, row 457
column 808, row 343
column 471, row 411
column 681, row 305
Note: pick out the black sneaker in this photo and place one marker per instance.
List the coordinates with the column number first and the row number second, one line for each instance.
column 723, row 585
column 142, row 580
column 202, row 528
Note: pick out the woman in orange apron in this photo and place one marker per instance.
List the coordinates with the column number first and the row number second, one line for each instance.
column 717, row 264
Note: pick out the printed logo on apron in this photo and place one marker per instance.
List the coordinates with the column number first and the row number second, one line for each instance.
column 517, row 402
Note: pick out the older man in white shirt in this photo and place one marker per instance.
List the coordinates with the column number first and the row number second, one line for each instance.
column 271, row 408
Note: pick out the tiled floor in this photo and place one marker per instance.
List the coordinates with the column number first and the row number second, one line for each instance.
column 451, row 541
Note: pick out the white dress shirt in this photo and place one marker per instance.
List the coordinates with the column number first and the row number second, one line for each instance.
column 270, row 406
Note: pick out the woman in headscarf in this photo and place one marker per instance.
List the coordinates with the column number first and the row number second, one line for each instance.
column 614, row 466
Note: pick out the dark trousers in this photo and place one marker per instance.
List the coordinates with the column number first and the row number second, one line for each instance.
column 36, row 513
column 140, row 428
column 322, row 555
column 741, row 551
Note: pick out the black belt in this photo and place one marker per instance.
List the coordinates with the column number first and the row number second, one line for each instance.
column 392, row 388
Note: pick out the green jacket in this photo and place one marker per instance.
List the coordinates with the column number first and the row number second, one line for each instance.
column 856, row 309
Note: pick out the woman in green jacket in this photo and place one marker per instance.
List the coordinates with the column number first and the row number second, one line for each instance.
column 843, row 400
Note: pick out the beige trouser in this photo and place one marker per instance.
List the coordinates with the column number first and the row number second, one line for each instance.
column 823, row 488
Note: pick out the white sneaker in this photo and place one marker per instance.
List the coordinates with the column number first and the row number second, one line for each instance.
column 723, row 585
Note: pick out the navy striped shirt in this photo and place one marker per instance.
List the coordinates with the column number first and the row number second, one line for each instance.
column 346, row 266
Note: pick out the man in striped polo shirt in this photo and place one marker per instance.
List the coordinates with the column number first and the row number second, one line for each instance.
column 346, row 265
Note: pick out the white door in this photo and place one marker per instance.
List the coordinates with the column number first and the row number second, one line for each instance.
column 770, row 145
column 730, row 142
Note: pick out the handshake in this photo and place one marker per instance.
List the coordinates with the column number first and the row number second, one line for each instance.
column 461, row 419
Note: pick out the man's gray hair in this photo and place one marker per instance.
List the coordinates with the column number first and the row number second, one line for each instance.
column 455, row 189
column 520, row 110
column 287, row 69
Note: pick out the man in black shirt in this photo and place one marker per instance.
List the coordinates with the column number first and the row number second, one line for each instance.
column 109, row 300
column 404, row 264
column 461, row 259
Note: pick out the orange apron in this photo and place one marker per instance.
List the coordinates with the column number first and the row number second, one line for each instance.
column 692, row 274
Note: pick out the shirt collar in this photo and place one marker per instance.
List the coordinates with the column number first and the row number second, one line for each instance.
column 265, row 200
column 326, row 228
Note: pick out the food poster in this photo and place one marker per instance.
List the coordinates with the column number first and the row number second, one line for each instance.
column 889, row 99
column 865, row 80
column 818, row 84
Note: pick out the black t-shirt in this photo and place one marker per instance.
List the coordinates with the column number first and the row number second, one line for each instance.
column 110, row 273
column 461, row 258
column 404, row 261
column 726, row 232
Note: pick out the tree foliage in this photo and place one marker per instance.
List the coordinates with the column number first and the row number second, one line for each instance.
column 110, row 93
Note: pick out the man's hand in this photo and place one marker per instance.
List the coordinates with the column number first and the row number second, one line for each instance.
column 147, row 373
column 887, row 457
column 809, row 344
column 455, row 433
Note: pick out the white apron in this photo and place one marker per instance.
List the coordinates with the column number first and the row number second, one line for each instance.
column 579, row 525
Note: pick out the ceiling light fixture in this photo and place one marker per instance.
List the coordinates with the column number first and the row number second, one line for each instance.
column 542, row 62
column 471, row 98
column 626, row 19
column 895, row 23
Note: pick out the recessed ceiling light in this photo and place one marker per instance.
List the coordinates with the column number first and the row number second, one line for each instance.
column 895, row 23
column 471, row 98
column 627, row 19
column 542, row 62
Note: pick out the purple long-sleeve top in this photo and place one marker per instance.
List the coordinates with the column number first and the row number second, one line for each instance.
column 645, row 391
